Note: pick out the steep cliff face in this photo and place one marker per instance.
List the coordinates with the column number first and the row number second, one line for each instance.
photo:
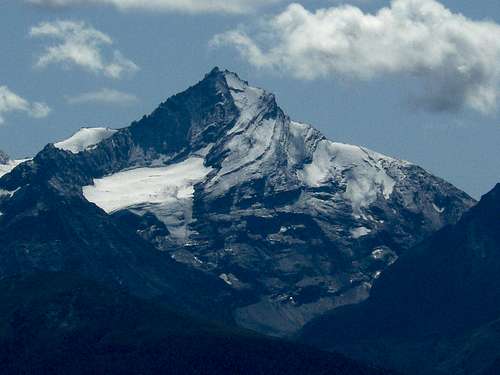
column 229, row 185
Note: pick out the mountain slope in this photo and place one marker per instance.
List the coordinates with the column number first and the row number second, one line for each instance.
column 440, row 301
column 6, row 164
column 46, row 226
column 236, row 191
column 61, row 323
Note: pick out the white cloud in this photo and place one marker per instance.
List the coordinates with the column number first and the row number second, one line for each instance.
column 11, row 102
column 104, row 96
column 79, row 44
column 191, row 6
column 456, row 59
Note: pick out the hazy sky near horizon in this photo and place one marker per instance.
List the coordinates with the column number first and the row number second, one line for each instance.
column 413, row 79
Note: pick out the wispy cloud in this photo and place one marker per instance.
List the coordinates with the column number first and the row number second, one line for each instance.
column 191, row 6
column 103, row 96
column 81, row 45
column 11, row 102
column 456, row 59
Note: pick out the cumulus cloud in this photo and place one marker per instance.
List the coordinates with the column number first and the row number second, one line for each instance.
column 79, row 44
column 191, row 6
column 104, row 96
column 455, row 59
column 11, row 102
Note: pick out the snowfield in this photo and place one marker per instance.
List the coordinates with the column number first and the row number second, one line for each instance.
column 166, row 192
column 361, row 169
column 84, row 139
column 360, row 232
column 147, row 185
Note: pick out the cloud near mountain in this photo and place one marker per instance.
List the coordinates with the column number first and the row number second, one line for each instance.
column 103, row 96
column 11, row 102
column 80, row 45
column 453, row 58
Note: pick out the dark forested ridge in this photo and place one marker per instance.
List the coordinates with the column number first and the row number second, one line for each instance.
column 437, row 310
column 57, row 323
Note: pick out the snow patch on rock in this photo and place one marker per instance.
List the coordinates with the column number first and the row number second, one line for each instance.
column 360, row 232
column 224, row 277
column 438, row 209
column 360, row 170
column 84, row 139
column 10, row 194
column 11, row 164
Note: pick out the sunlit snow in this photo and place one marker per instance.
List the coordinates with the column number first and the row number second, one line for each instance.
column 85, row 138
column 165, row 191
column 437, row 208
column 246, row 98
column 250, row 141
column 361, row 169
column 360, row 232
column 7, row 168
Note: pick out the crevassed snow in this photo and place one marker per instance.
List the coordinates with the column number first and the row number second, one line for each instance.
column 167, row 192
column 360, row 232
column 256, row 143
column 85, row 138
column 301, row 142
column 360, row 169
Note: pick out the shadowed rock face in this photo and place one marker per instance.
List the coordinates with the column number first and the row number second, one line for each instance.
column 61, row 323
column 440, row 302
column 228, row 185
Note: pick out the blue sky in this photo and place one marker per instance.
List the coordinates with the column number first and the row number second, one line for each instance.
column 401, row 93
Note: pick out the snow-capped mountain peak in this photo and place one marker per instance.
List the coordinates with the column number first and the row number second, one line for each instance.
column 250, row 101
column 223, row 180
column 275, row 196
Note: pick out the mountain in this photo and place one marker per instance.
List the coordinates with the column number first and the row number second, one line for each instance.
column 45, row 227
column 53, row 323
column 284, row 223
column 436, row 310
column 6, row 164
